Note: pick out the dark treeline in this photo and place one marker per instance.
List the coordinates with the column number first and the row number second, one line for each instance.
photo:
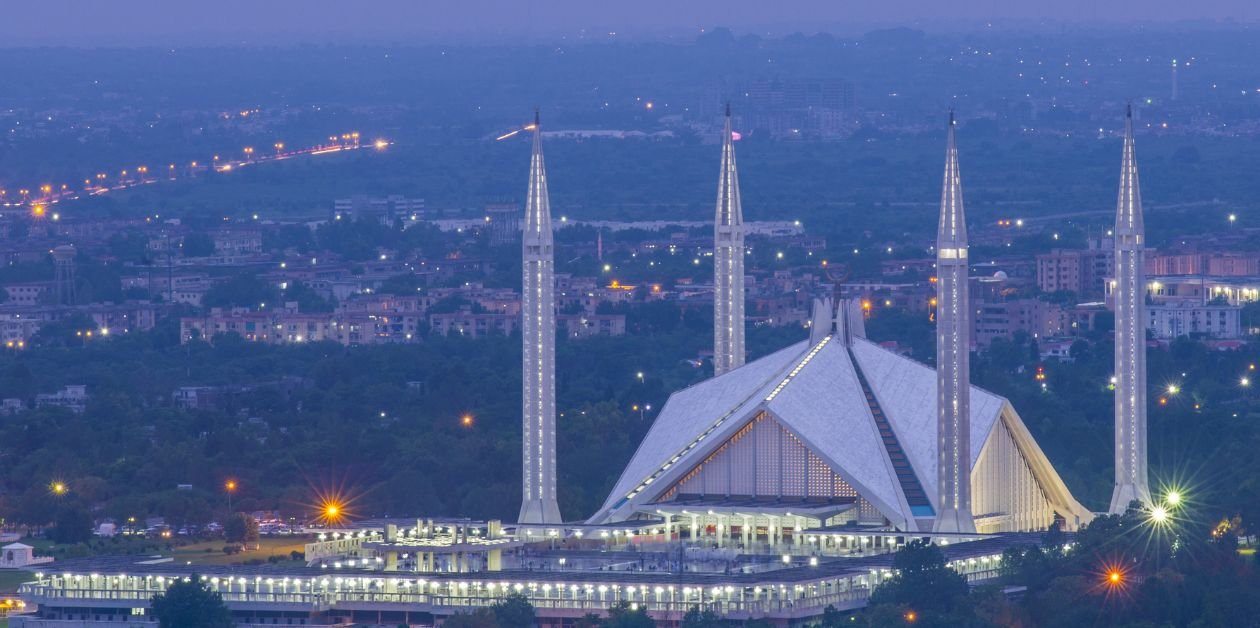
column 381, row 427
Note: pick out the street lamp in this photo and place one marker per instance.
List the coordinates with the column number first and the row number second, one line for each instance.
column 332, row 512
column 230, row 487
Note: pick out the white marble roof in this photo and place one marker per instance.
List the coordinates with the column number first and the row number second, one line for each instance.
column 691, row 411
column 819, row 398
column 906, row 390
column 825, row 406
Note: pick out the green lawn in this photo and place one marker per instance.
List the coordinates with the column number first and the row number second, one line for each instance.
column 10, row 579
column 197, row 553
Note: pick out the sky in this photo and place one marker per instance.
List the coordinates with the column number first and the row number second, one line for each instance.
column 170, row 22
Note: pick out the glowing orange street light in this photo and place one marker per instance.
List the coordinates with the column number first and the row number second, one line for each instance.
column 466, row 420
column 1114, row 577
column 911, row 616
column 331, row 512
column 58, row 488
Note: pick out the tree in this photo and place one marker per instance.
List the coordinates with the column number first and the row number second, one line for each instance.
column 70, row 331
column 695, row 618
column 307, row 299
column 832, row 618
column 241, row 528
column 73, row 524
column 191, row 604
column 197, row 245
column 922, row 582
column 624, row 616
column 245, row 290
column 480, row 618
column 589, row 620
column 514, row 611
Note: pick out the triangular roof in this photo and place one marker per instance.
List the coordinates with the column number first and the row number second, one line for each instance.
column 824, row 405
column 907, row 391
column 814, row 391
column 16, row 546
column 694, row 410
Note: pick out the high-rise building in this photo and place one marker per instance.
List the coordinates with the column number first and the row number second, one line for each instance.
column 1130, row 296
column 728, row 263
column 953, row 353
column 63, row 264
column 504, row 220
column 383, row 209
column 1083, row 271
column 538, row 339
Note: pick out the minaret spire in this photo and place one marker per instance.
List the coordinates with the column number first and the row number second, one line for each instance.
column 1130, row 295
column 728, row 262
column 538, row 339
column 953, row 355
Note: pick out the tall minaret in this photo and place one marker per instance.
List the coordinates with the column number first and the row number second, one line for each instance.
column 538, row 339
column 728, row 263
column 953, row 353
column 1130, row 296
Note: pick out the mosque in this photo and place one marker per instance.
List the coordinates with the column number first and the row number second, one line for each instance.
column 774, row 490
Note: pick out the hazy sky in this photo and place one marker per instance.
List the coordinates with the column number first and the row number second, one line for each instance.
column 168, row 22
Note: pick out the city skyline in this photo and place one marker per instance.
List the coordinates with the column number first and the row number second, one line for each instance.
column 156, row 23
column 314, row 334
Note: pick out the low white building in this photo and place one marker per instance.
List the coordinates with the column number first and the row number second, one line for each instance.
column 73, row 397
column 1175, row 319
column 18, row 555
